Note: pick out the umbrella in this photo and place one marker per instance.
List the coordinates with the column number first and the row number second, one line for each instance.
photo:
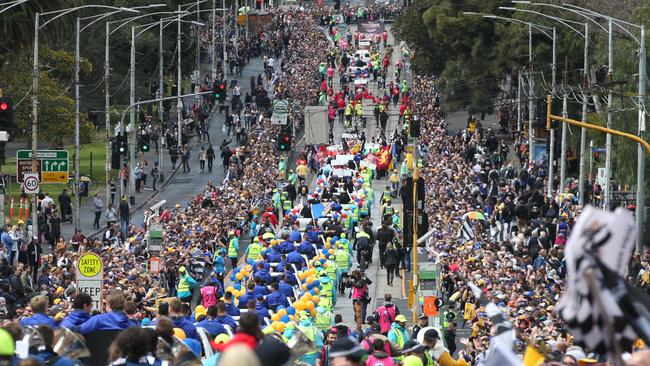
column 475, row 215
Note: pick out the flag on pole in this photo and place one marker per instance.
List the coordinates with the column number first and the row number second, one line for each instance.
column 466, row 230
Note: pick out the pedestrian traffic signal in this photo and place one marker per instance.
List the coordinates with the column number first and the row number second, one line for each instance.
column 115, row 154
column 123, row 144
column 596, row 156
column 284, row 141
column 6, row 113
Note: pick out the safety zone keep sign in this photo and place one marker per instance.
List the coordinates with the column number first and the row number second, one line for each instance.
column 90, row 275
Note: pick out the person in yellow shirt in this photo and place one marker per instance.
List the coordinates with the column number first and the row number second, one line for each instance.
column 302, row 171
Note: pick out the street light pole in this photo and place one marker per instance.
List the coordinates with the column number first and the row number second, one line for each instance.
column 132, row 132
column 519, row 81
column 551, row 159
column 531, row 102
column 77, row 198
column 179, row 82
column 583, row 131
column 161, row 122
column 565, row 114
column 213, row 67
column 640, row 167
column 35, row 124
column 223, row 39
column 610, row 106
column 107, row 100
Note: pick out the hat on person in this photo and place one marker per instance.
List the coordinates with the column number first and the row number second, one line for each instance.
column 7, row 344
column 400, row 318
column 423, row 316
column 576, row 352
column 199, row 311
column 431, row 334
column 412, row 346
column 179, row 333
column 412, row 360
column 145, row 322
column 345, row 347
column 193, row 345
column 181, row 269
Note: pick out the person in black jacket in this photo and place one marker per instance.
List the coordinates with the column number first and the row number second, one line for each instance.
column 384, row 236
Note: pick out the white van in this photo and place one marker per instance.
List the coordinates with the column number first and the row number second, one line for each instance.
column 363, row 55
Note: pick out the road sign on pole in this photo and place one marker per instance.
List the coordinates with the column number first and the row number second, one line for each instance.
column 90, row 276
column 52, row 165
column 31, row 183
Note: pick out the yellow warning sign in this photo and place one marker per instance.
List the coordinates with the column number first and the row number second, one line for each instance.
column 54, row 177
column 89, row 265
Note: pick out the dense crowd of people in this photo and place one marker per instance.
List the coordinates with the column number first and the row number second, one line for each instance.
column 250, row 271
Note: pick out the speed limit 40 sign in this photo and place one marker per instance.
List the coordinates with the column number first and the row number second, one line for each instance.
column 31, row 183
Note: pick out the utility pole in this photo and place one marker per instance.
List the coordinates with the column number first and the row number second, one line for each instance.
column 77, row 199
column 197, row 73
column 583, row 131
column 132, row 132
column 551, row 160
column 519, row 101
column 640, row 167
column 213, row 68
column 565, row 114
column 161, row 93
column 531, row 101
column 223, row 40
column 236, row 27
column 35, row 124
column 179, row 84
column 610, row 106
column 107, row 101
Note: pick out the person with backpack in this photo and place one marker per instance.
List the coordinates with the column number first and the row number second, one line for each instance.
column 378, row 356
column 386, row 314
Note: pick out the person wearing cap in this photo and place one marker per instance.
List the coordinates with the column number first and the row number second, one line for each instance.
column 39, row 307
column 437, row 351
column 314, row 334
column 423, row 321
column 233, row 248
column 397, row 332
column 82, row 305
column 185, row 285
column 114, row 319
column 7, row 349
column 573, row 355
column 414, row 348
column 346, row 352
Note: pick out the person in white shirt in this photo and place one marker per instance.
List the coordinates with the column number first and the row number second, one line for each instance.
column 46, row 202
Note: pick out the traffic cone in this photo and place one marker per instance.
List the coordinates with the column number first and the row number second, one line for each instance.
column 26, row 208
column 20, row 209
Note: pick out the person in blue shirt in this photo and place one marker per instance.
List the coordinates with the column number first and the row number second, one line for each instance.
column 287, row 247
column 248, row 296
column 210, row 323
column 260, row 288
column 290, row 276
column 114, row 319
column 231, row 309
column 307, row 248
column 262, row 274
column 313, row 234
column 294, row 236
column 261, row 310
column 45, row 354
column 219, row 261
column 179, row 320
column 297, row 259
column 223, row 318
column 82, row 305
column 6, row 240
column 274, row 255
column 39, row 307
column 276, row 297
column 285, row 287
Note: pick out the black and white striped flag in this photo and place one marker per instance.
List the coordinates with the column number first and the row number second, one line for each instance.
column 466, row 230
column 597, row 304
column 500, row 232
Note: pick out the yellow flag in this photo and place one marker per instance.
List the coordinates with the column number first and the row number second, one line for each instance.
column 532, row 357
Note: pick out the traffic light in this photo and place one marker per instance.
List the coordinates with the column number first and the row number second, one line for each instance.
column 123, row 145
column 115, row 154
column 143, row 145
column 596, row 156
column 219, row 91
column 6, row 113
column 284, row 140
